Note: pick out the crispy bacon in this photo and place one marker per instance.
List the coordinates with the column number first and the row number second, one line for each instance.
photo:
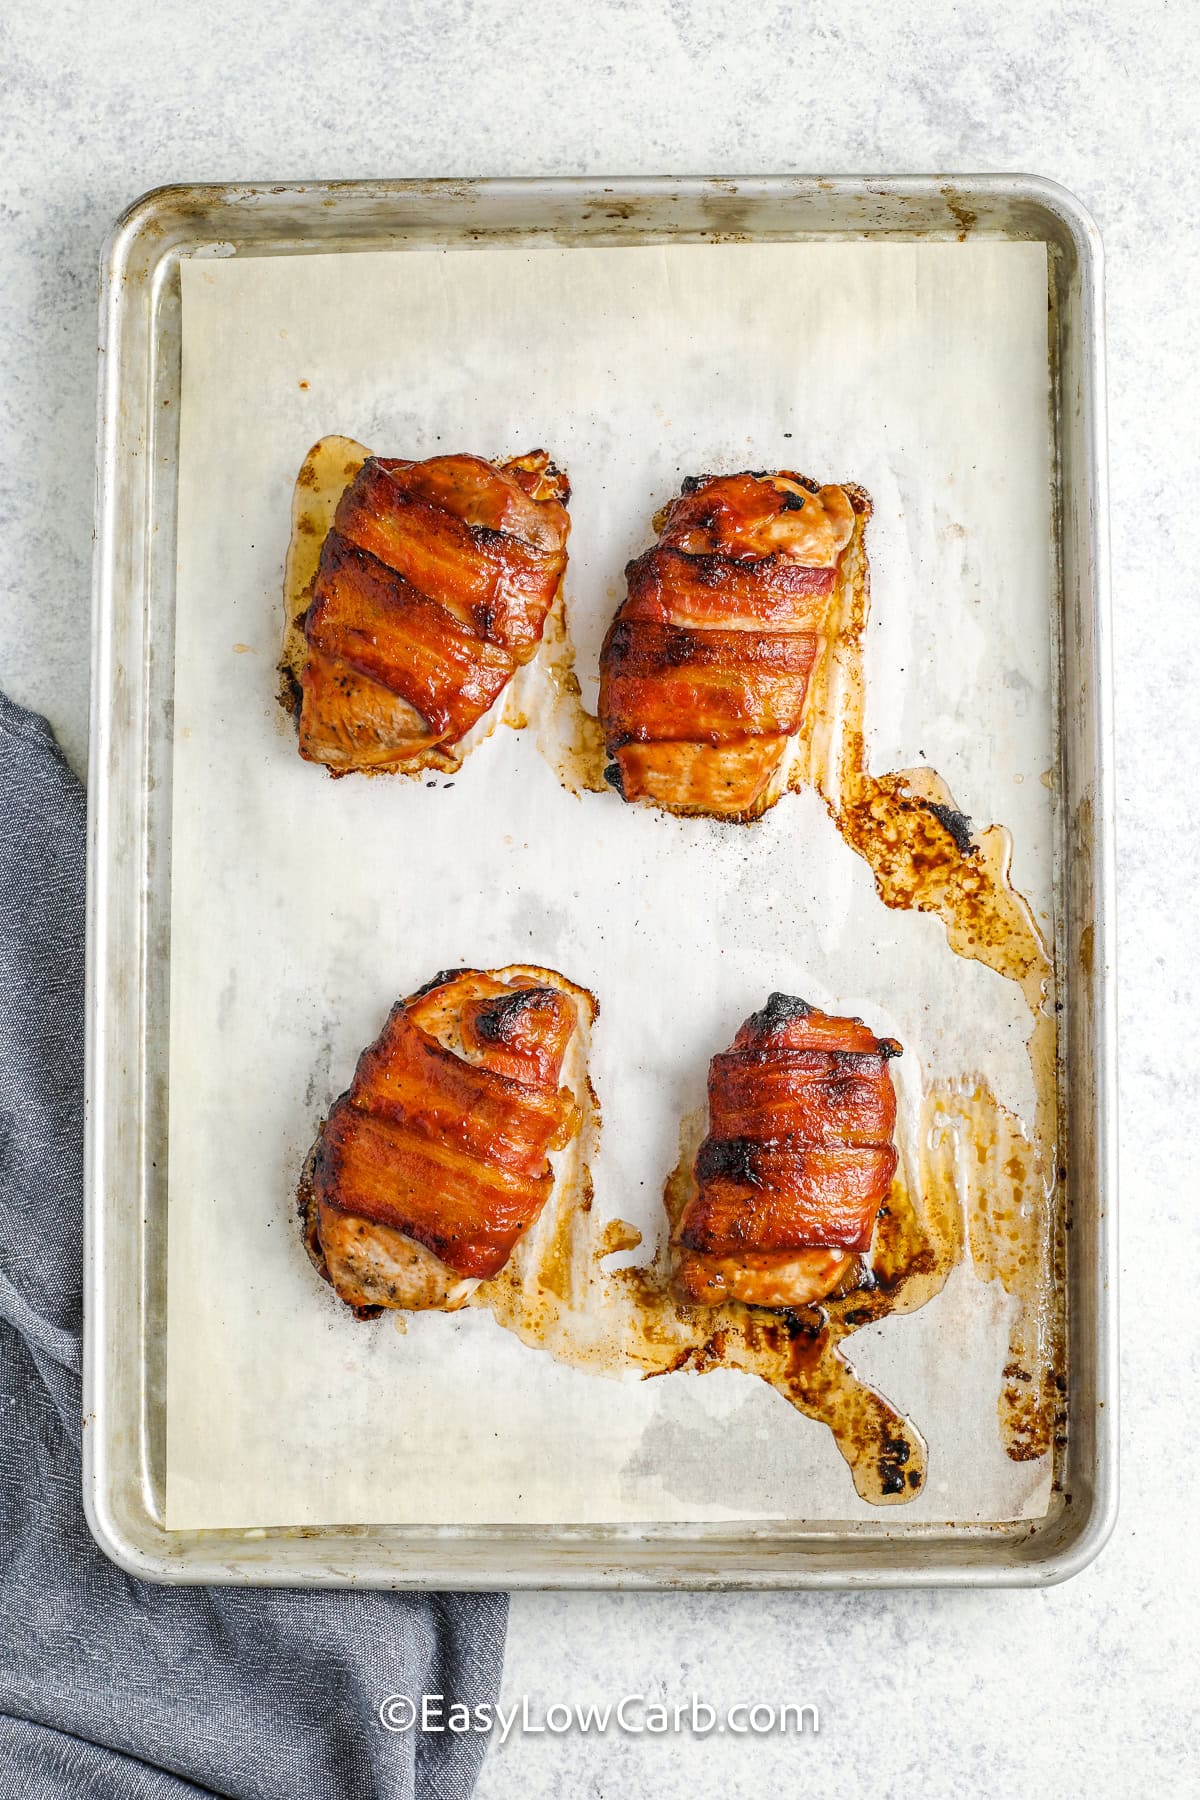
column 435, row 1161
column 705, row 669
column 797, row 1161
column 433, row 587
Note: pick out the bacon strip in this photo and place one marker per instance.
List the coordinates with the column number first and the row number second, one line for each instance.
column 376, row 623
column 797, row 1160
column 433, row 586
column 716, row 680
column 441, row 1142
column 705, row 669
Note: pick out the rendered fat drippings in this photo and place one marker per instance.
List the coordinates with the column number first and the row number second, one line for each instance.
column 971, row 1181
column 961, row 1181
column 925, row 856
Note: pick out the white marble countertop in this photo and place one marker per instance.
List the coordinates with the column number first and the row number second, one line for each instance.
column 1086, row 1686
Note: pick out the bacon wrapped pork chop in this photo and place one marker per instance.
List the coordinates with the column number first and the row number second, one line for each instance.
column 705, row 669
column 797, row 1162
column 433, row 586
column 432, row 1165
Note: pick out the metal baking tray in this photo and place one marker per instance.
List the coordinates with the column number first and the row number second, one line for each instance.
column 130, row 864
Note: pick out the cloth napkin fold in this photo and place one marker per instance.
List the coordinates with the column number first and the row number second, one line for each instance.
column 109, row 1686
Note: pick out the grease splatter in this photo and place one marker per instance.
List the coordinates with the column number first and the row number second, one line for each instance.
column 926, row 856
column 961, row 1184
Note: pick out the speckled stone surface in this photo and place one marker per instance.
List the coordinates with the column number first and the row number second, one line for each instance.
column 1088, row 1687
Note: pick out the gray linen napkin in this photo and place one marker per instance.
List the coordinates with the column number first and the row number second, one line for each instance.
column 109, row 1686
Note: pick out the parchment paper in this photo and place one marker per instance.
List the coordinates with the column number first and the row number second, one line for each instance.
column 302, row 906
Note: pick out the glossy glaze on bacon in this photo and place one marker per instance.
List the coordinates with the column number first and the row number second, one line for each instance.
column 797, row 1162
column 433, row 1164
column 705, row 669
column 433, row 587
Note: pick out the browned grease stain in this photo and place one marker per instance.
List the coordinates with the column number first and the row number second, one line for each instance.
column 544, row 694
column 1012, row 1236
column 966, row 1181
column 921, row 848
column 325, row 473
column 619, row 1235
column 965, row 217
column 925, row 856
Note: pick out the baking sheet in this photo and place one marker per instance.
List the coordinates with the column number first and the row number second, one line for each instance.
column 302, row 907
